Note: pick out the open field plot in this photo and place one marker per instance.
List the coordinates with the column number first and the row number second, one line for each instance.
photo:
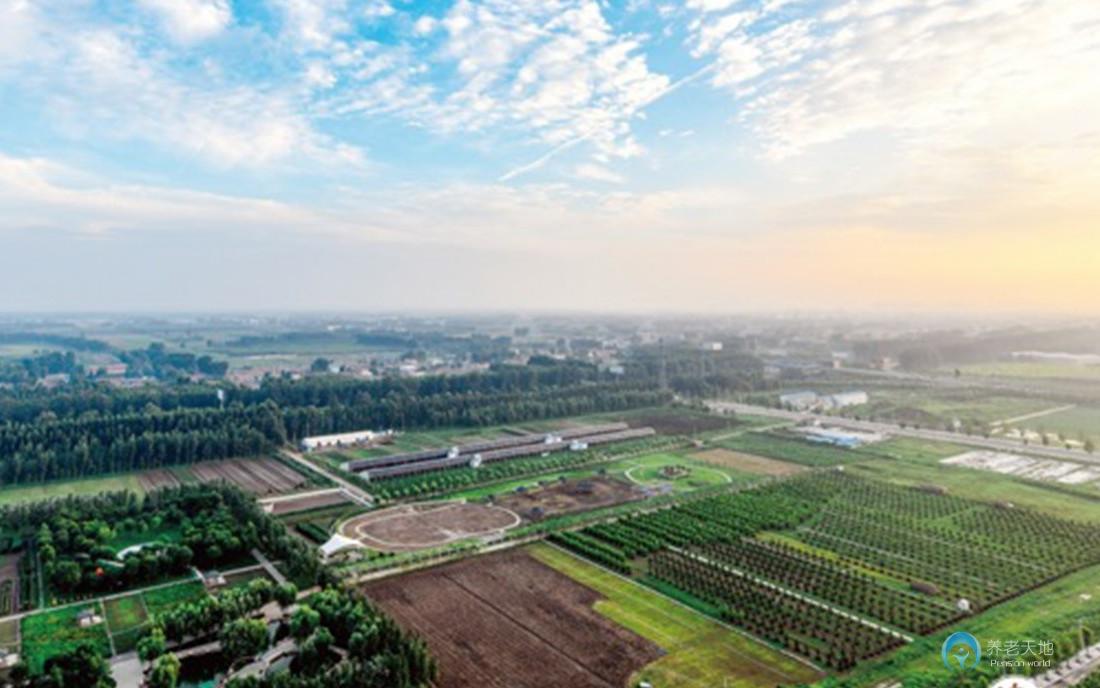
column 430, row 524
column 748, row 463
column 255, row 476
column 243, row 578
column 1074, row 423
column 258, row 476
column 126, row 621
column 568, row 496
column 700, row 652
column 785, row 447
column 864, row 566
column 9, row 634
column 162, row 599
column 124, row 613
column 508, row 621
column 939, row 408
column 51, row 633
column 65, row 488
column 1034, row 370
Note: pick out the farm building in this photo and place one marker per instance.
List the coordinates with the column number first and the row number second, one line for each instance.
column 88, row 618
column 845, row 399
column 344, row 439
column 800, row 401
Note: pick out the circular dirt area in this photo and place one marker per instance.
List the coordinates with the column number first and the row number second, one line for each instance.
column 419, row 526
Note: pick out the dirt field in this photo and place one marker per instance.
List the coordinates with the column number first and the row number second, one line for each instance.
column 292, row 506
column 572, row 495
column 508, row 621
column 256, row 476
column 748, row 463
column 9, row 583
column 430, row 524
column 156, row 479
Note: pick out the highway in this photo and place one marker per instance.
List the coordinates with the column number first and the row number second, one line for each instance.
column 993, row 443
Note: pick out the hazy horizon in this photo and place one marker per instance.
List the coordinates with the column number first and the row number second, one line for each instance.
column 711, row 156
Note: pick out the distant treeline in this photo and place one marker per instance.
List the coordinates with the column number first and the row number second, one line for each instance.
column 933, row 349
column 153, row 361
column 94, row 429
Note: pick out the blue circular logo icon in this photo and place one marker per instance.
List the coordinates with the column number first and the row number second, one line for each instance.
column 961, row 651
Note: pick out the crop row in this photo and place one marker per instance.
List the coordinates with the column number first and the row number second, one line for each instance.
column 816, row 576
column 813, row 631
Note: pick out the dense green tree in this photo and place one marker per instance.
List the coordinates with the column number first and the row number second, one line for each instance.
column 243, row 638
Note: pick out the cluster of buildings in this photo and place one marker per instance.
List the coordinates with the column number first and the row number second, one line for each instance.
column 806, row 400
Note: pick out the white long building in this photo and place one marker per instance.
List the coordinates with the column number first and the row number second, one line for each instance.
column 343, row 439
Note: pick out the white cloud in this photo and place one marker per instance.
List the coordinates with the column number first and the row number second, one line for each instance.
column 191, row 20
column 102, row 87
column 313, row 24
column 946, row 72
column 594, row 172
column 425, row 25
column 378, row 9
column 550, row 72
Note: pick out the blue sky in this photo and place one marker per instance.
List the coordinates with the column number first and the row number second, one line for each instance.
column 544, row 153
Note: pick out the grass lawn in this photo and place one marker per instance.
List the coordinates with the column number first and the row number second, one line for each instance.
column 163, row 599
column 1037, row 615
column 1072, row 423
column 915, row 450
column 646, row 470
column 166, row 533
column 65, row 488
column 701, row 652
column 51, row 633
column 239, row 580
column 124, row 613
column 1034, row 369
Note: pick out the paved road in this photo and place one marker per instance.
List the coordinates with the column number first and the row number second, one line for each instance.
column 293, row 496
column 1037, row 414
column 351, row 489
column 278, row 577
column 1073, row 670
column 935, row 435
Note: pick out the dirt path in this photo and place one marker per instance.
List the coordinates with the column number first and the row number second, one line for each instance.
column 1033, row 416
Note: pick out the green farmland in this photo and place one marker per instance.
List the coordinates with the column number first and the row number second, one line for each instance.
column 701, row 652
column 51, row 633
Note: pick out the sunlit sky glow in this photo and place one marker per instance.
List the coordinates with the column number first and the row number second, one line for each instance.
column 703, row 155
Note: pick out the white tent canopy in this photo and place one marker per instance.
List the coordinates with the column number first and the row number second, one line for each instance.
column 339, row 543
